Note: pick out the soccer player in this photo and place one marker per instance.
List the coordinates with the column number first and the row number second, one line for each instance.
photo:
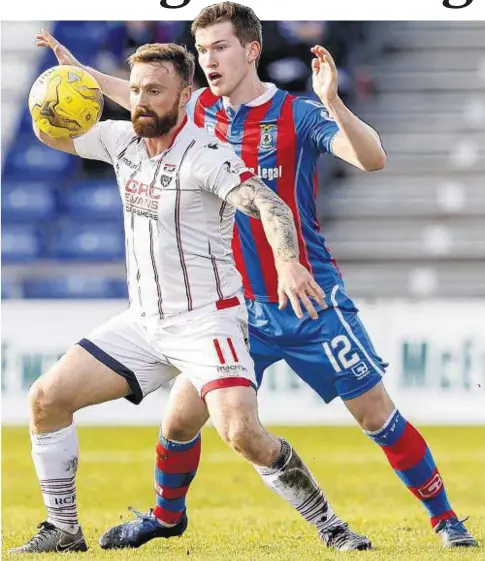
column 180, row 188
column 280, row 137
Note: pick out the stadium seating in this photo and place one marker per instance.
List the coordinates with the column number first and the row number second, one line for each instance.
column 93, row 200
column 74, row 287
column 21, row 243
column 87, row 241
column 415, row 228
column 28, row 202
column 30, row 160
column 11, row 289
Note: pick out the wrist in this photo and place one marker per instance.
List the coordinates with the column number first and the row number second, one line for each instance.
column 334, row 104
column 285, row 262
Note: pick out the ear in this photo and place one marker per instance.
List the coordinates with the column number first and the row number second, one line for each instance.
column 254, row 51
column 186, row 95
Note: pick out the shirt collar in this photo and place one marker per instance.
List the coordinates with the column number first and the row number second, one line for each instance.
column 260, row 100
column 264, row 97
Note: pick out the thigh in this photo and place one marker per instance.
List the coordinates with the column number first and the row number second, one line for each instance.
column 186, row 413
column 335, row 356
column 233, row 410
column 79, row 380
column 121, row 345
column 212, row 351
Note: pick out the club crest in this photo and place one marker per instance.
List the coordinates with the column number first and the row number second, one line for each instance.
column 268, row 137
column 165, row 181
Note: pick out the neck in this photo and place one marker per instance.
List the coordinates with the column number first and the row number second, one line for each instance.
column 248, row 90
column 156, row 146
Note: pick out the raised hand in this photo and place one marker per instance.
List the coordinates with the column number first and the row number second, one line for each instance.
column 63, row 54
column 325, row 75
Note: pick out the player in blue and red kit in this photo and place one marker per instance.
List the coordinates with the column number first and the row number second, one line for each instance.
column 281, row 137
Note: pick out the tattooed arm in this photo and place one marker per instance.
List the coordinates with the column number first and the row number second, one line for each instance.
column 257, row 200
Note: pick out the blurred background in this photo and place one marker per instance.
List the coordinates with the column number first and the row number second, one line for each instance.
column 410, row 240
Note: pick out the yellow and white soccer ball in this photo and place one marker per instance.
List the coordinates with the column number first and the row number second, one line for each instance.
column 65, row 102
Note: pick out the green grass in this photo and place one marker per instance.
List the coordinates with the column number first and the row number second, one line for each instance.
column 233, row 516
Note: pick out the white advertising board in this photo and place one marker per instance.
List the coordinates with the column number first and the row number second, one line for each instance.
column 436, row 352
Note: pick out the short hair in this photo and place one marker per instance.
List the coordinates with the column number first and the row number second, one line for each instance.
column 246, row 24
column 153, row 53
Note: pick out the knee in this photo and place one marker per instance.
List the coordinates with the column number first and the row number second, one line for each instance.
column 373, row 417
column 373, row 421
column 44, row 401
column 372, row 410
column 248, row 440
column 180, row 429
column 235, row 436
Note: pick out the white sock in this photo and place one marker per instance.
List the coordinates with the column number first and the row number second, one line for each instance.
column 55, row 455
column 291, row 479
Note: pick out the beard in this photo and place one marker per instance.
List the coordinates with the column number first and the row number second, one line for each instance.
column 148, row 124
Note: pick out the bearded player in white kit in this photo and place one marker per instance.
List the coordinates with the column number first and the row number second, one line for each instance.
column 180, row 188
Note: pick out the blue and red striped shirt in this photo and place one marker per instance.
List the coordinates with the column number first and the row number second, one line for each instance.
column 280, row 138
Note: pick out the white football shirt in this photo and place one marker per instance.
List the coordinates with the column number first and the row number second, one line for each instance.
column 178, row 227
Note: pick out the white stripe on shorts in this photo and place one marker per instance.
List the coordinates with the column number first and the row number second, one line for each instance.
column 349, row 330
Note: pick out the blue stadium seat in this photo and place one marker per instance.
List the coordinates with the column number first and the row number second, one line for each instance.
column 74, row 287
column 11, row 289
column 119, row 288
column 94, row 200
column 88, row 242
column 25, row 123
column 20, row 243
column 30, row 160
column 85, row 37
column 28, row 202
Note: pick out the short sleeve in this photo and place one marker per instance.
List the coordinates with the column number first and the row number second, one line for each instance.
column 218, row 169
column 314, row 123
column 105, row 140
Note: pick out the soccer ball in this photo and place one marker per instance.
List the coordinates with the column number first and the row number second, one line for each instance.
column 65, row 102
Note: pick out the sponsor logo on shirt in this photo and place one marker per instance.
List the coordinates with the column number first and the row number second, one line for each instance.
column 233, row 167
column 128, row 163
column 268, row 173
column 142, row 199
column 234, row 369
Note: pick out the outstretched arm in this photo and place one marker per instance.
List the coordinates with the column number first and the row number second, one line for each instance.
column 257, row 200
column 356, row 142
column 116, row 89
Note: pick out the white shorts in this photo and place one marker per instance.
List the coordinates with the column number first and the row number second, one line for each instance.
column 211, row 350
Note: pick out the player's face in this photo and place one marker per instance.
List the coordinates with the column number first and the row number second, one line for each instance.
column 223, row 59
column 156, row 99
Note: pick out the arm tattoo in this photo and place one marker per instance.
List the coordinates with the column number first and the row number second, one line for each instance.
column 257, row 200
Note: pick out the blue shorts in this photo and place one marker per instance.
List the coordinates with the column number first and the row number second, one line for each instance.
column 333, row 354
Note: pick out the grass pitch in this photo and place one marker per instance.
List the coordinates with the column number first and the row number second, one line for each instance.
column 233, row 516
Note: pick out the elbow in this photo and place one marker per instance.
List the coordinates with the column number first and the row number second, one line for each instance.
column 378, row 163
